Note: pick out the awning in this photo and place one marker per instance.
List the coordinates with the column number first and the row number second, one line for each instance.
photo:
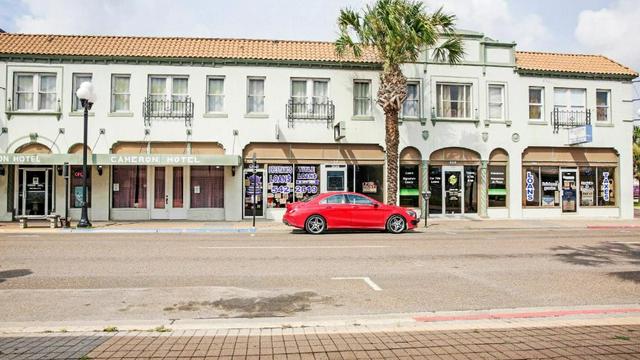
column 299, row 153
column 121, row 159
column 569, row 156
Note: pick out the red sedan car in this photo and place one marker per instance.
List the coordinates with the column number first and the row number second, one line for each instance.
column 346, row 210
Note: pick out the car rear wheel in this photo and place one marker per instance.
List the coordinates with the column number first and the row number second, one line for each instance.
column 315, row 225
column 396, row 224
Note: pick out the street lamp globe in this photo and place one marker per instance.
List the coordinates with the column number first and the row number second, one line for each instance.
column 86, row 92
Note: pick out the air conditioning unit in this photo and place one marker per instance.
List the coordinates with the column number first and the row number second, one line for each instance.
column 339, row 130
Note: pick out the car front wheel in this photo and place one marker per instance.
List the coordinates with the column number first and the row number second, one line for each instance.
column 396, row 224
column 315, row 225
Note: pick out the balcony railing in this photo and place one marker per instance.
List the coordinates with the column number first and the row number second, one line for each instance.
column 163, row 108
column 304, row 110
column 564, row 118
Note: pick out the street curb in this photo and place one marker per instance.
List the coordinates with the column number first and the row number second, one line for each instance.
column 604, row 227
column 426, row 321
column 161, row 231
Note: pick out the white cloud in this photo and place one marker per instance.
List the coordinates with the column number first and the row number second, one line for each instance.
column 498, row 21
column 612, row 31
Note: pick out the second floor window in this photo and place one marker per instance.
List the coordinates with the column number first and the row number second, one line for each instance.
column 411, row 105
column 570, row 99
column 454, row 101
column 602, row 105
column 34, row 91
column 255, row 95
column 215, row 94
column 496, row 102
column 536, row 103
column 168, row 88
column 78, row 79
column 120, row 93
column 307, row 93
column 362, row 98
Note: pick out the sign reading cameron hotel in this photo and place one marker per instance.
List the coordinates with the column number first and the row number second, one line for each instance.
column 112, row 159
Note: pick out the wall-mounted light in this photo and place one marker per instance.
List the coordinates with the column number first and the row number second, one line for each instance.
column 1, row 170
column 233, row 171
column 99, row 168
column 59, row 169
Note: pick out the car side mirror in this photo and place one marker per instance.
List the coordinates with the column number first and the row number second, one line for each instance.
column 376, row 205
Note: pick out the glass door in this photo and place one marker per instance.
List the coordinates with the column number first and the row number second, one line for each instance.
column 334, row 178
column 568, row 191
column 168, row 193
column 253, row 190
column 35, row 192
column 453, row 190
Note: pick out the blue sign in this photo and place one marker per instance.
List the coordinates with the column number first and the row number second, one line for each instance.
column 605, row 186
column 530, row 188
column 580, row 135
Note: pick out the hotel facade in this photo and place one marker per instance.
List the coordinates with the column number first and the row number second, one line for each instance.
column 178, row 121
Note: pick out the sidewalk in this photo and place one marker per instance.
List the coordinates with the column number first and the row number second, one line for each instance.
column 435, row 225
column 566, row 342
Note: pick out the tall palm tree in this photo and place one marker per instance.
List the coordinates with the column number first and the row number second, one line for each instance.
column 398, row 31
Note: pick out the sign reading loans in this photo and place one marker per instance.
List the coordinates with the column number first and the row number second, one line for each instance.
column 530, row 188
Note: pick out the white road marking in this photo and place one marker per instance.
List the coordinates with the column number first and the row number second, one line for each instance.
column 296, row 247
column 626, row 242
column 366, row 279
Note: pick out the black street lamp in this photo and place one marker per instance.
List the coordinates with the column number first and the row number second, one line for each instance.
column 87, row 97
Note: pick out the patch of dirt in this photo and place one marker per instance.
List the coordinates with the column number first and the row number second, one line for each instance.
column 260, row 306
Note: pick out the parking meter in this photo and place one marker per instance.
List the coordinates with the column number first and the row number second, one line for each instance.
column 426, row 195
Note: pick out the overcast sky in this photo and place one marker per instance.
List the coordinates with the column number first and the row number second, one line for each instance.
column 608, row 27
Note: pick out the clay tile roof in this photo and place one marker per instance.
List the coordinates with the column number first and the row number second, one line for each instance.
column 177, row 47
column 571, row 63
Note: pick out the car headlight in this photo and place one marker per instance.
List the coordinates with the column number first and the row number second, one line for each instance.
column 412, row 213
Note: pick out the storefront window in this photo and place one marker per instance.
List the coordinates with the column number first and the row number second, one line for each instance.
column 369, row 181
column 497, row 186
column 470, row 189
column 531, row 186
column 207, row 187
column 606, row 186
column 307, row 181
column 409, row 185
column 587, row 186
column 279, row 186
column 129, row 188
column 549, row 180
column 75, row 193
column 435, row 186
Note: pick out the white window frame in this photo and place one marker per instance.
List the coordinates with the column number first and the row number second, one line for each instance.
column 264, row 91
column 75, row 84
column 113, row 93
column 502, row 103
column 310, row 97
column 208, row 109
column 569, row 105
column 35, row 91
column 608, row 106
column 418, row 84
column 467, row 97
column 541, row 104
column 367, row 99
column 169, row 93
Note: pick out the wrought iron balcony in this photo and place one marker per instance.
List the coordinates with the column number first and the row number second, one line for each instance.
column 565, row 118
column 163, row 108
column 304, row 110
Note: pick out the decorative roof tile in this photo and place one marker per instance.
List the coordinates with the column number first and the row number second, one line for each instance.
column 271, row 50
column 571, row 64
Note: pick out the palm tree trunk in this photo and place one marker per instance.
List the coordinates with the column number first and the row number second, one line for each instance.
column 391, row 95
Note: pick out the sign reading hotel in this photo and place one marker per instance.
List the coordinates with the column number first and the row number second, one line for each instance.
column 114, row 159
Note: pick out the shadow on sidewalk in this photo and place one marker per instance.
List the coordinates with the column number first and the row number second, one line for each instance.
column 597, row 255
column 8, row 274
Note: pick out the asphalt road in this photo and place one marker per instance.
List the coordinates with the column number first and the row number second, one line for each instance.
column 166, row 276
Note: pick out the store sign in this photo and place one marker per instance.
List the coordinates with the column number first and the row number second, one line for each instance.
column 605, row 186
column 280, row 179
column 112, row 159
column 496, row 177
column 530, row 188
column 369, row 187
column 580, row 135
column 40, row 159
column 307, row 180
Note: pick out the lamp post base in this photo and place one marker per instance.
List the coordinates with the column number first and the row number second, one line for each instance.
column 84, row 219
